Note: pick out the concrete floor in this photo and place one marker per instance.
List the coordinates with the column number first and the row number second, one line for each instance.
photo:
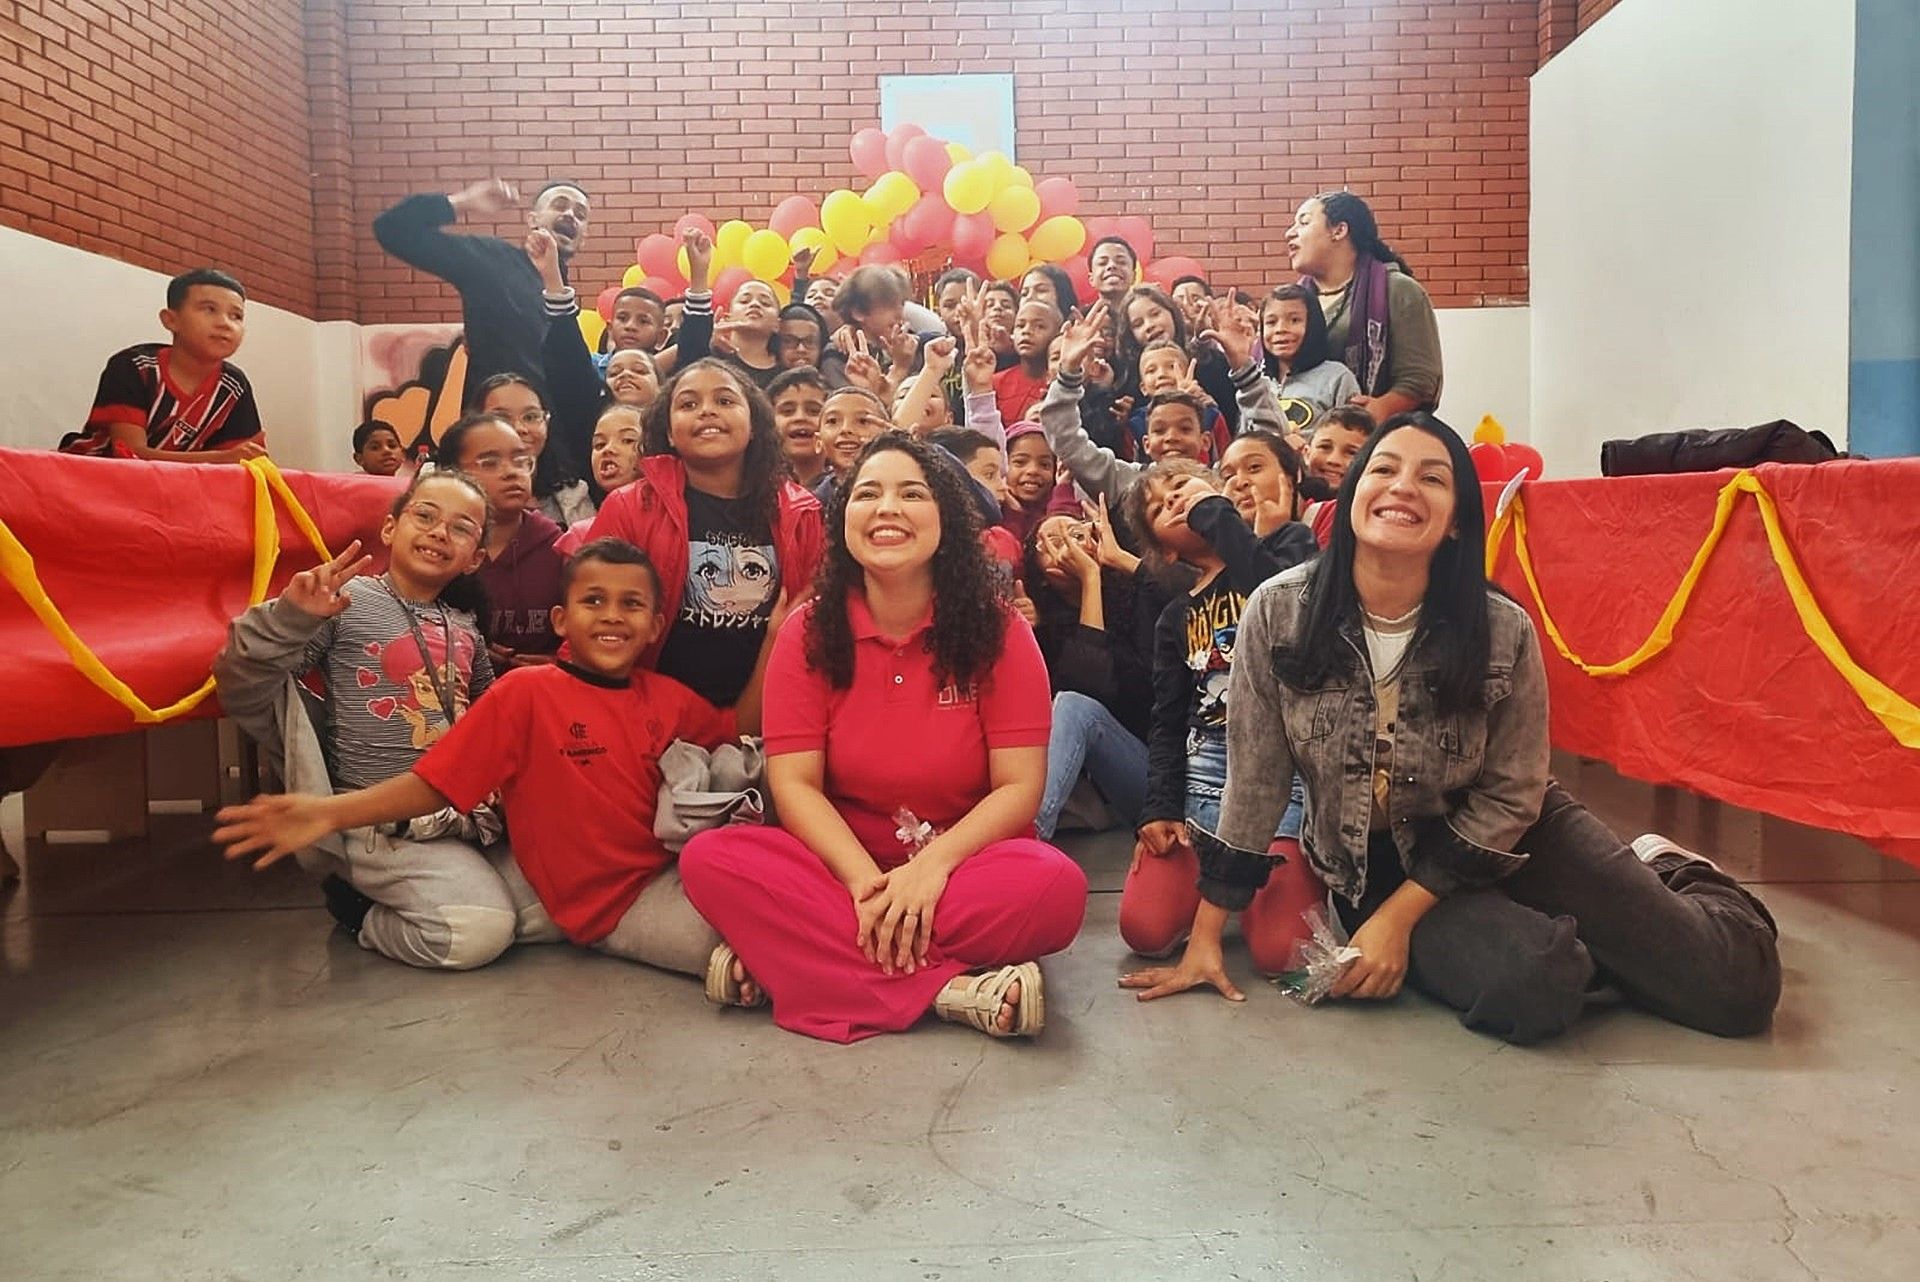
column 199, row 1080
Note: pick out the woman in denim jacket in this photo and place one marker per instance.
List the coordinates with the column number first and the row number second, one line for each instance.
column 1412, row 700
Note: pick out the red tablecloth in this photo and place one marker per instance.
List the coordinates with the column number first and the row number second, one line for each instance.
column 1741, row 706
column 148, row 562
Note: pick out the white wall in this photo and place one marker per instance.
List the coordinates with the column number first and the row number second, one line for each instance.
column 1485, row 353
column 1692, row 169
column 70, row 309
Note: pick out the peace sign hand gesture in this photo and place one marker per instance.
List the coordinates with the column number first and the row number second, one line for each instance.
column 1082, row 339
column 321, row 591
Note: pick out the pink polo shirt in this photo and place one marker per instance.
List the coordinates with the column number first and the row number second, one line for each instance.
column 896, row 736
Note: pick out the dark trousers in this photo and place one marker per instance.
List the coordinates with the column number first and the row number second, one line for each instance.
column 1519, row 960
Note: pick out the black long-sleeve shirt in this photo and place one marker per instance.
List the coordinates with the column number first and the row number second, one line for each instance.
column 500, row 290
column 1112, row 666
column 1193, row 643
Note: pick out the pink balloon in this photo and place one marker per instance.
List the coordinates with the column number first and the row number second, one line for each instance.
column 724, row 286
column 897, row 145
column 930, row 221
column 662, row 286
column 701, row 221
column 879, row 252
column 1136, row 231
column 902, row 239
column 1080, row 272
column 793, row 213
column 926, row 162
column 604, row 304
column 869, row 152
column 973, row 236
column 658, row 255
column 1057, row 196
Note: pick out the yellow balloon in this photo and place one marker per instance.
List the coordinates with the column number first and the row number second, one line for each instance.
column 1008, row 258
column 1490, row 431
column 1014, row 209
column 844, row 217
column 1018, row 174
column 959, row 153
column 592, row 326
column 891, row 195
column 632, row 276
column 781, row 291
column 765, row 254
column 998, row 167
column 824, row 254
column 728, row 241
column 1058, row 238
column 968, row 188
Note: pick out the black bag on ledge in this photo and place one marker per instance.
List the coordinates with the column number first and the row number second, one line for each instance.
column 1710, row 449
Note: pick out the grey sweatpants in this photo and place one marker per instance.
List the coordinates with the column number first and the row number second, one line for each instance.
column 445, row 905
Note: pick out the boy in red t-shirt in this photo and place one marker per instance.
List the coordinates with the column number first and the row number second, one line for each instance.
column 573, row 748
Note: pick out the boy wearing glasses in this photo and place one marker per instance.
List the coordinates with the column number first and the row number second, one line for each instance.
column 398, row 661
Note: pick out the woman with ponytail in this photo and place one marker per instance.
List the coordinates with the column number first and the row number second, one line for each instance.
column 1380, row 322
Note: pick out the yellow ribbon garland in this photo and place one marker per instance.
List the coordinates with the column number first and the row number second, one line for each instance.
column 1898, row 715
column 16, row 567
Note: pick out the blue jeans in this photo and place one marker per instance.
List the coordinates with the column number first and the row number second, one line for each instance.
column 1086, row 736
column 1207, row 777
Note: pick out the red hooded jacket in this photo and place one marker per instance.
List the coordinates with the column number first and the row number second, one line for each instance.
column 651, row 514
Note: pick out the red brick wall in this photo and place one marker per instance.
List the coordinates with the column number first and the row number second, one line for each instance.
column 265, row 136
column 167, row 134
column 1213, row 118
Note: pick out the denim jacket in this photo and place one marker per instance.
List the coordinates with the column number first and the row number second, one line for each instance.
column 1465, row 785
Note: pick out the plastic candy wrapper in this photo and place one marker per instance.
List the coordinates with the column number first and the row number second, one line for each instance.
column 914, row 832
column 1318, row 961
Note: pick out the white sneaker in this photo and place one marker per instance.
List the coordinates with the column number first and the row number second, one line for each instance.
column 1651, row 845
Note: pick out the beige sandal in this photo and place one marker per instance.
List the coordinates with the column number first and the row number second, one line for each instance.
column 978, row 999
column 722, row 988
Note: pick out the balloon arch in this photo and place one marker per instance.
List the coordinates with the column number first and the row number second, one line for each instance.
column 929, row 202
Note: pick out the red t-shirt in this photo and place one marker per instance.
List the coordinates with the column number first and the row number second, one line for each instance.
column 1015, row 392
column 897, row 737
column 576, row 761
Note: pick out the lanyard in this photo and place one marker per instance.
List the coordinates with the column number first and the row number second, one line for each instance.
column 435, row 674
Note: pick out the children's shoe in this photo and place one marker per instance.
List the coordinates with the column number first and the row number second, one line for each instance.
column 1651, row 846
column 348, row 906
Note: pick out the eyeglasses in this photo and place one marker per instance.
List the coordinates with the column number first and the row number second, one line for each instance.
column 425, row 517
column 527, row 418
column 495, row 464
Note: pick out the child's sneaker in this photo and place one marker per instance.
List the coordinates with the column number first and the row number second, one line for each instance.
column 348, row 906
column 1651, row 846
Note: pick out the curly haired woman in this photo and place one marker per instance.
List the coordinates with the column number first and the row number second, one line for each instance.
column 906, row 733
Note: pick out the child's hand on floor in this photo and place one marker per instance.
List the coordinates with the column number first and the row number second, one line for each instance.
column 321, row 591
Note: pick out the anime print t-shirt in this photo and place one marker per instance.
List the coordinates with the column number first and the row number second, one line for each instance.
column 387, row 702
column 733, row 581
column 1213, row 620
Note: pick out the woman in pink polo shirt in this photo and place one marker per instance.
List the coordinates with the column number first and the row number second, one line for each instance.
column 906, row 736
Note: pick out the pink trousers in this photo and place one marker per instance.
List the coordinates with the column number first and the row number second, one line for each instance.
column 1160, row 897
column 793, row 924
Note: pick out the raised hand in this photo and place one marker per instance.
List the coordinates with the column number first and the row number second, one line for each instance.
column 699, row 247
column 937, row 357
column 1082, row 339
column 722, row 343
column 1109, row 552
column 902, row 346
column 1023, row 604
column 980, row 364
column 488, row 196
column 803, row 261
column 863, row 368
column 543, row 251
column 1233, row 327
column 321, row 591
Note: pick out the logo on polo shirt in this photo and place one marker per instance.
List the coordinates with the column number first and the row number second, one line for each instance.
column 952, row 696
column 584, row 746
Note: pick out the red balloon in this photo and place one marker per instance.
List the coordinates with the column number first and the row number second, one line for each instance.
column 869, row 152
column 1137, row 232
column 973, row 236
column 879, row 252
column 1520, row 454
column 1491, row 462
column 663, row 287
column 704, row 223
column 926, row 161
column 897, row 145
column 1099, row 226
column 724, row 286
column 1057, row 196
column 793, row 213
column 930, row 221
column 605, row 303
column 1080, row 273
column 1167, row 270
column 658, row 255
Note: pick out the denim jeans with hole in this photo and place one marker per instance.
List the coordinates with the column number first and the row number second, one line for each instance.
column 1207, row 777
column 1087, row 737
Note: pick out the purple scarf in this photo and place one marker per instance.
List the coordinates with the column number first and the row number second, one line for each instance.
column 1366, row 350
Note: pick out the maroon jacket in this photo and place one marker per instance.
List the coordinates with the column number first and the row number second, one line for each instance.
column 523, row 586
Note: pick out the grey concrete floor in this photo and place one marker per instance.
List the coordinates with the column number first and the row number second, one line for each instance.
column 200, row 1080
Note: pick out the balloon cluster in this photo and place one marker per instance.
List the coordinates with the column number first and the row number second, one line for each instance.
column 990, row 215
column 1497, row 460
